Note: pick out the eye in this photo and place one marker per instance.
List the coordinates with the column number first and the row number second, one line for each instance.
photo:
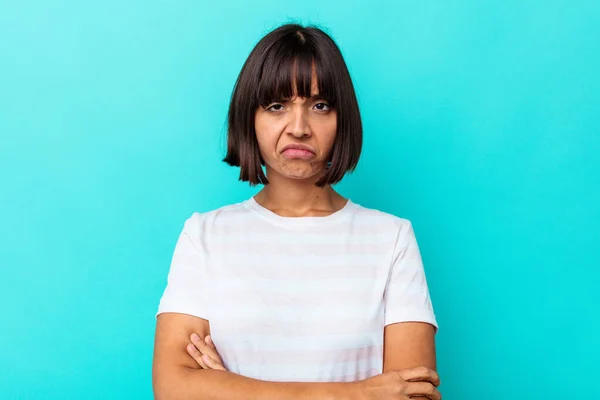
column 275, row 107
column 322, row 106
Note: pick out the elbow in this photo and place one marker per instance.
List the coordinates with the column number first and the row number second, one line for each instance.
column 164, row 384
column 163, row 390
column 160, row 389
column 171, row 383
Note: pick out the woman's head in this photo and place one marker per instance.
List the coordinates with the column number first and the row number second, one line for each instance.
column 294, row 92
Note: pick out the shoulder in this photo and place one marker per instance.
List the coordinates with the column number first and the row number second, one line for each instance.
column 199, row 222
column 384, row 220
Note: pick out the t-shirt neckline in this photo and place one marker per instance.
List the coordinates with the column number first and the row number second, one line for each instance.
column 338, row 215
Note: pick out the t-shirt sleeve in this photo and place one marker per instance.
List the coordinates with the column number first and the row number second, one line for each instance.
column 186, row 280
column 406, row 295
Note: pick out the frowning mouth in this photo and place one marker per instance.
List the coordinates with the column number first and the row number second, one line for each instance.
column 298, row 151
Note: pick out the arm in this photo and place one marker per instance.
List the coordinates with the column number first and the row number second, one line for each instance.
column 175, row 375
column 410, row 324
column 409, row 345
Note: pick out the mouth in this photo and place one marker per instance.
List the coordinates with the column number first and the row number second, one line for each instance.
column 300, row 151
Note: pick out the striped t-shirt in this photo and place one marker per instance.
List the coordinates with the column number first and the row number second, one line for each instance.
column 298, row 298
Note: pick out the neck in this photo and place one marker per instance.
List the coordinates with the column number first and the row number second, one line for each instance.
column 298, row 197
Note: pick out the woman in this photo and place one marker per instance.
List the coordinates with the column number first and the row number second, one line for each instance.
column 305, row 294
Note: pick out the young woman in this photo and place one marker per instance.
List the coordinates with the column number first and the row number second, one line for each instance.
column 297, row 292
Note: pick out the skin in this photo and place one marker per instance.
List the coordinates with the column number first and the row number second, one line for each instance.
column 183, row 341
column 291, row 191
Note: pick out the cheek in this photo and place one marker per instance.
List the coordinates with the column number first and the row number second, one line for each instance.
column 327, row 135
column 265, row 134
column 266, row 140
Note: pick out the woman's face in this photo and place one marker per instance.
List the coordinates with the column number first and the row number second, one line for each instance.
column 295, row 136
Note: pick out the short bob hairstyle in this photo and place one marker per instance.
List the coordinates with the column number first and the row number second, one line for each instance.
column 280, row 62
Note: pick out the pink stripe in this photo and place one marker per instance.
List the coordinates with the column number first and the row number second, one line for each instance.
column 260, row 300
column 299, row 356
column 275, row 328
column 259, row 249
column 337, row 272
column 355, row 376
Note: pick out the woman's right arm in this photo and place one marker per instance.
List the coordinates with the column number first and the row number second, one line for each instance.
column 175, row 375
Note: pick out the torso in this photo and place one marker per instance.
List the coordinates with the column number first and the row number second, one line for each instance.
column 298, row 299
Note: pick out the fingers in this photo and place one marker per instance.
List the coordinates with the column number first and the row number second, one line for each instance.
column 424, row 389
column 196, row 355
column 209, row 341
column 420, row 374
column 201, row 345
column 209, row 356
column 216, row 357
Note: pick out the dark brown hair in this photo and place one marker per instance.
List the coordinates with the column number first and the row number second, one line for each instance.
column 279, row 63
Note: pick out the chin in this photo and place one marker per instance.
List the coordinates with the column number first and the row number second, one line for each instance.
column 300, row 175
column 299, row 171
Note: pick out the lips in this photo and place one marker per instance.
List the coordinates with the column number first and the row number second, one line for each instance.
column 298, row 146
column 298, row 151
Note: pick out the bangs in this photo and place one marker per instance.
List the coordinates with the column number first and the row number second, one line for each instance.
column 287, row 71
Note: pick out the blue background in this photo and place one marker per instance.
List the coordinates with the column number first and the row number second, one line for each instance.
column 481, row 127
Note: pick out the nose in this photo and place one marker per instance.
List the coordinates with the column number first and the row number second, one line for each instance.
column 299, row 126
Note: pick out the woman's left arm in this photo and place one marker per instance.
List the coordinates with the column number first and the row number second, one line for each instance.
column 409, row 345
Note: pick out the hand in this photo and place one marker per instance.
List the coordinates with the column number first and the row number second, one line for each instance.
column 401, row 385
column 205, row 353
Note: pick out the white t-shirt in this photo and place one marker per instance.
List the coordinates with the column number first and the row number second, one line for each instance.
column 298, row 299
